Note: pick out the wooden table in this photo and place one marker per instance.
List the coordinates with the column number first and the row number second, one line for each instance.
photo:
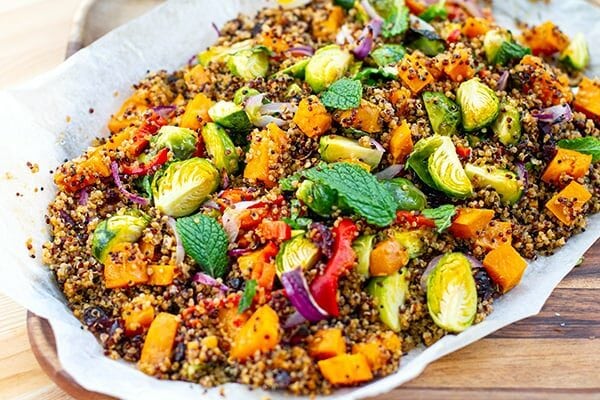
column 555, row 354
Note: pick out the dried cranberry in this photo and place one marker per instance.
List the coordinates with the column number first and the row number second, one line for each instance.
column 485, row 286
column 282, row 379
column 179, row 352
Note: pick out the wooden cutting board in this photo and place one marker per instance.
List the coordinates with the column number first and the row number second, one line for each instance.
column 554, row 354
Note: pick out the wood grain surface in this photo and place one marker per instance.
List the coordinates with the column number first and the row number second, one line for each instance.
column 555, row 354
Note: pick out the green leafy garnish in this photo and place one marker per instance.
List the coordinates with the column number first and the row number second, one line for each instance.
column 510, row 50
column 343, row 94
column 345, row 4
column 387, row 54
column 295, row 221
column 206, row 242
column 442, row 216
column 358, row 190
column 586, row 145
column 435, row 11
column 248, row 296
column 370, row 76
column 396, row 23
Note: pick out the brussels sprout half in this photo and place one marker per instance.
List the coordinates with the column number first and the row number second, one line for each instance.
column 242, row 94
column 220, row 148
column 389, row 293
column 297, row 70
column 413, row 241
column 126, row 226
column 507, row 126
column 452, row 293
column 250, row 64
column 222, row 53
column 184, row 185
column 406, row 194
column 492, row 41
column 363, row 247
column 388, row 54
column 230, row 115
column 326, row 66
column 181, row 141
column 576, row 55
column 505, row 182
column 478, row 103
column 443, row 113
column 320, row 199
column 296, row 252
column 339, row 148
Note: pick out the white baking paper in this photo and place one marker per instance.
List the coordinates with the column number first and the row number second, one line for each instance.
column 47, row 120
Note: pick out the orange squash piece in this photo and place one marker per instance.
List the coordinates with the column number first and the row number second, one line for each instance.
column 474, row 27
column 458, row 64
column 231, row 321
column 375, row 356
column 505, row 266
column 496, row 233
column 346, row 369
column 587, row 99
column 387, row 257
column 328, row 28
column 545, row 39
column 327, row 343
column 567, row 204
column 260, row 265
column 262, row 158
column 275, row 43
column 415, row 6
column 364, row 118
column 400, row 98
column 162, row 275
column 259, row 333
column 567, row 162
column 197, row 75
column 401, row 143
column 125, row 266
column 138, row 315
column 130, row 112
column 551, row 88
column 196, row 112
column 414, row 73
column 312, row 117
column 159, row 343
column 469, row 222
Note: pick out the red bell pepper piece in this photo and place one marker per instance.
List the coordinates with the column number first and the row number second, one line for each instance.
column 454, row 36
column 407, row 217
column 324, row 287
column 274, row 230
column 149, row 127
column 463, row 152
column 161, row 158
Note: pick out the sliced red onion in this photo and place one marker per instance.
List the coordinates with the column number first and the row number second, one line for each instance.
column 475, row 263
column 114, row 169
column 83, row 197
column 240, row 252
column 369, row 9
column 299, row 295
column 225, row 181
column 193, row 61
column 377, row 145
column 294, row 320
column 301, row 51
column 345, row 36
column 164, row 111
column 523, row 174
column 502, row 81
column 211, row 204
column 254, row 102
column 231, row 218
column 179, row 251
column 428, row 270
column 208, row 280
column 469, row 6
column 390, row 172
column 367, row 37
column 554, row 114
column 273, row 108
column 265, row 120
column 216, row 28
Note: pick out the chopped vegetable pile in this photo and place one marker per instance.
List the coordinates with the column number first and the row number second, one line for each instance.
column 324, row 189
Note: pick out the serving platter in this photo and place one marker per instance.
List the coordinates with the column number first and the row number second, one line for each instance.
column 540, row 343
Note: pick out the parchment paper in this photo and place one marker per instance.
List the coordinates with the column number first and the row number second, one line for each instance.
column 47, row 120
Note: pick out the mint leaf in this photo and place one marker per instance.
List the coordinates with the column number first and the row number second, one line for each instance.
column 205, row 241
column 586, row 145
column 248, row 296
column 442, row 216
column 345, row 4
column 396, row 23
column 343, row 94
column 434, row 11
column 509, row 51
column 358, row 190
column 295, row 221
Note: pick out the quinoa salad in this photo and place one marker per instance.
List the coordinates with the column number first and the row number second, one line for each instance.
column 326, row 187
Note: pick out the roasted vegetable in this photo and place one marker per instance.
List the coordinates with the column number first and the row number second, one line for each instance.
column 406, row 194
column 250, row 64
column 364, row 118
column 196, row 112
column 326, row 66
column 387, row 257
column 339, row 148
column 505, row 266
column 297, row 252
column 387, row 54
column 320, row 199
column 220, row 148
column 414, row 241
column 443, row 113
column 222, row 53
column 500, row 47
column 567, row 204
column 495, row 234
column 259, row 333
column 550, row 86
column 414, row 73
column 159, row 342
column 181, row 141
column 260, row 265
column 184, row 185
column 327, row 343
column 502, row 181
column 265, row 149
column 243, row 93
column 507, row 126
column 297, row 70
column 124, row 266
column 424, row 37
column 474, row 27
column 470, row 222
column 363, row 247
column 545, row 39
column 124, row 227
column 587, row 99
column 389, row 294
column 312, row 117
column 451, row 293
column 435, row 161
column 567, row 163
column 346, row 369
column 478, row 103
column 458, row 64
column 576, row 55
column 230, row 115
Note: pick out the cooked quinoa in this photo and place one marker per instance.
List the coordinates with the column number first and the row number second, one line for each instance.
column 120, row 284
